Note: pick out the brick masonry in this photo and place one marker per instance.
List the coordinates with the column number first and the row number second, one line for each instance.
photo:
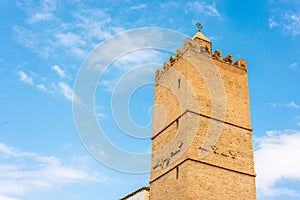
column 202, row 136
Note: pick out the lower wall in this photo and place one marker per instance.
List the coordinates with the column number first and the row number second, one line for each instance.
column 195, row 180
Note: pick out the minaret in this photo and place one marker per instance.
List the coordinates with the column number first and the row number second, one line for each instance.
column 202, row 137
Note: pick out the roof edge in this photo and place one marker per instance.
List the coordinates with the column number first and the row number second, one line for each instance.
column 147, row 188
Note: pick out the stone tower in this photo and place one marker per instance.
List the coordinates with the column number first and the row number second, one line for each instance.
column 202, row 136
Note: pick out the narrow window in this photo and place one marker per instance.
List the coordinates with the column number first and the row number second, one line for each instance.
column 177, row 172
column 178, row 83
column 177, row 123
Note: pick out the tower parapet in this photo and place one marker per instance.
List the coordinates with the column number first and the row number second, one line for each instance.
column 202, row 44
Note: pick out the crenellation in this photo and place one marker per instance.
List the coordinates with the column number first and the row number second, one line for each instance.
column 179, row 53
column 166, row 65
column 228, row 59
column 241, row 63
column 172, row 60
column 217, row 55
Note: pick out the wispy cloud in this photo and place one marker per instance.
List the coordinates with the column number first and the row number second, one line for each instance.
column 277, row 160
column 42, row 11
column 140, row 57
column 42, row 87
column 69, row 39
column 285, row 15
column 293, row 65
column 76, row 36
column 60, row 72
column 2, row 197
column 35, row 40
column 40, row 17
column 102, row 115
column 25, row 78
column 126, row 66
column 203, row 7
column 24, row 172
column 62, row 88
column 291, row 104
column 292, row 23
column 138, row 7
column 108, row 85
column 272, row 23
column 66, row 90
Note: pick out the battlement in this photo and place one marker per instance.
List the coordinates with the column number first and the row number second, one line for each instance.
column 194, row 45
column 240, row 63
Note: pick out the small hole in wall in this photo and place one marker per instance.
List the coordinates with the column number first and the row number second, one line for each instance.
column 178, row 83
column 206, row 48
column 177, row 172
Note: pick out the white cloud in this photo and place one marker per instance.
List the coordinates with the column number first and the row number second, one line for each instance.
column 62, row 87
column 67, row 146
column 276, row 160
column 40, row 17
column 140, row 57
column 292, row 104
column 94, row 23
column 36, row 12
column 69, row 39
column 285, row 15
column 293, row 65
column 203, row 8
column 24, row 172
column 66, row 90
column 102, row 115
column 25, row 78
column 2, row 197
column 35, row 40
column 126, row 67
column 272, row 23
column 83, row 30
column 78, row 52
column 292, row 24
column 138, row 7
column 108, row 85
column 42, row 87
column 97, row 150
column 61, row 73
column 75, row 43
column 275, row 105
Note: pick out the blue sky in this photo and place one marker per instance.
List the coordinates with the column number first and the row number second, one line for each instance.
column 44, row 43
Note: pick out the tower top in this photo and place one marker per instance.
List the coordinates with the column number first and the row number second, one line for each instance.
column 199, row 34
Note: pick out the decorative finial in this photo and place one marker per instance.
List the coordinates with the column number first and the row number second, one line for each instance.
column 199, row 26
